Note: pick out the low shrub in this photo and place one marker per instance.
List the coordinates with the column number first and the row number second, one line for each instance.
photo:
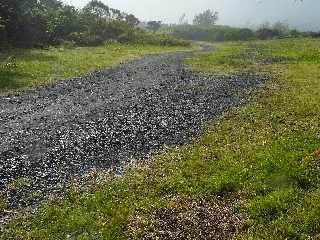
column 226, row 33
column 85, row 39
column 9, row 64
column 267, row 33
column 152, row 39
column 213, row 33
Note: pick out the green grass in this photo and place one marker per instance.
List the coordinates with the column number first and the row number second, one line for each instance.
column 265, row 154
column 34, row 67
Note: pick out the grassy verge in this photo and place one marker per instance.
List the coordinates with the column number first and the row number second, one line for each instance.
column 22, row 68
column 263, row 159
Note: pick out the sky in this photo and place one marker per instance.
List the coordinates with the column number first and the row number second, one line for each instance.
column 232, row 12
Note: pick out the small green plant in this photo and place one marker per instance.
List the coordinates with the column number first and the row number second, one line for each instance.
column 3, row 203
column 20, row 183
column 10, row 64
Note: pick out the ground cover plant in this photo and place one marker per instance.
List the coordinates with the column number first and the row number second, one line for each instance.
column 23, row 68
column 258, row 164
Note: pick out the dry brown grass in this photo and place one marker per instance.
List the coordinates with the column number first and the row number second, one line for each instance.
column 188, row 219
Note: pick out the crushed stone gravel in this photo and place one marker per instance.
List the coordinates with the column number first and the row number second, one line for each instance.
column 52, row 134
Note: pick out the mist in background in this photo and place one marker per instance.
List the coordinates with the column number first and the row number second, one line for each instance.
column 249, row 13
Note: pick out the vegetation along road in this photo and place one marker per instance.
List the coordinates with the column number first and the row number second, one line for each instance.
column 51, row 135
column 116, row 128
column 252, row 173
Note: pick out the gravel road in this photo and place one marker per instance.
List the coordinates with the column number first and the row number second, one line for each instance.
column 52, row 134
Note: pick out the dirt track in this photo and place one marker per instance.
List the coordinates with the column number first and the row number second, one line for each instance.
column 52, row 134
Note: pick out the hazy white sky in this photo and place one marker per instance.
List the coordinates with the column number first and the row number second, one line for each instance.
column 232, row 12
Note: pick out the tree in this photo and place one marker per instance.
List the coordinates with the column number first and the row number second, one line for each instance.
column 26, row 21
column 131, row 20
column 245, row 34
column 154, row 25
column 62, row 22
column 266, row 33
column 282, row 28
column 183, row 20
column 206, row 19
column 3, row 36
column 97, row 9
column 117, row 15
column 30, row 23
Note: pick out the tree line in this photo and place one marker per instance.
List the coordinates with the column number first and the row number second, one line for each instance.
column 36, row 23
column 204, row 28
column 31, row 22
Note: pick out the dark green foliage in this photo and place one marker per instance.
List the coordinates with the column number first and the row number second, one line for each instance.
column 85, row 39
column 314, row 34
column 242, row 34
column 62, row 23
column 39, row 23
column 26, row 22
column 142, row 37
column 213, row 33
column 226, row 33
column 131, row 20
column 267, row 33
column 154, row 25
column 3, row 36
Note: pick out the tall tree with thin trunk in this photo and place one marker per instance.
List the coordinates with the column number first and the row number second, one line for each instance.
column 206, row 18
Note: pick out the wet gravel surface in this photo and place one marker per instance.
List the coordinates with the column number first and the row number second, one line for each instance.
column 53, row 134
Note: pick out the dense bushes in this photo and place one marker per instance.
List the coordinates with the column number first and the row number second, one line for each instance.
column 84, row 39
column 42, row 22
column 141, row 37
column 214, row 33
column 226, row 33
column 267, row 33
column 38, row 23
column 163, row 40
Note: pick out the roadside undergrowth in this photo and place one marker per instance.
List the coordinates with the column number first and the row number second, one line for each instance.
column 263, row 158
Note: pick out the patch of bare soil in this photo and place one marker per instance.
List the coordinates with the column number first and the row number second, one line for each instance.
column 188, row 219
